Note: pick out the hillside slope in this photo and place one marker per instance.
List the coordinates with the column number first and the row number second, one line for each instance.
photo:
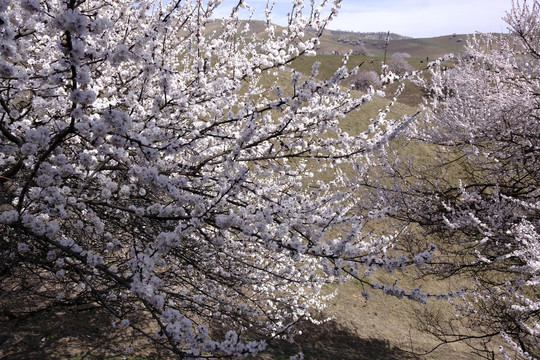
column 434, row 47
column 340, row 42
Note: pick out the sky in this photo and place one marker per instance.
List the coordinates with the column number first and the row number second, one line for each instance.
column 414, row 18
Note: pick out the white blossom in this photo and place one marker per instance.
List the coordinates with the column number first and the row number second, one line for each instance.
column 147, row 160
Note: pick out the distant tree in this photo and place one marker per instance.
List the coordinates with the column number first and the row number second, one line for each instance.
column 474, row 189
column 359, row 49
column 401, row 55
column 366, row 79
column 398, row 63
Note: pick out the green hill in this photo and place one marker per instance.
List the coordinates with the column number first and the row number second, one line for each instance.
column 340, row 42
column 374, row 43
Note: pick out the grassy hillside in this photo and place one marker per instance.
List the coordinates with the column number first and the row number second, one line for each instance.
column 334, row 41
column 418, row 48
column 332, row 47
column 429, row 47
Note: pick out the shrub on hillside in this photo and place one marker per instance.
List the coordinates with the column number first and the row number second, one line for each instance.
column 366, row 79
column 398, row 63
column 359, row 49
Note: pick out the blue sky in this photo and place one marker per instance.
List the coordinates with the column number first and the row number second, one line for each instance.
column 416, row 18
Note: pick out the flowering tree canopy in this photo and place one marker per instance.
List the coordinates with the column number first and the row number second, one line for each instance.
column 146, row 166
column 173, row 169
column 474, row 188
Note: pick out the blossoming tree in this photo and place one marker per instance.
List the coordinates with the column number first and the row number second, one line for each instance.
column 146, row 166
column 474, row 188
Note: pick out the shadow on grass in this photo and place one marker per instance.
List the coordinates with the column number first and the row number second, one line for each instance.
column 78, row 334
column 66, row 333
column 331, row 341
